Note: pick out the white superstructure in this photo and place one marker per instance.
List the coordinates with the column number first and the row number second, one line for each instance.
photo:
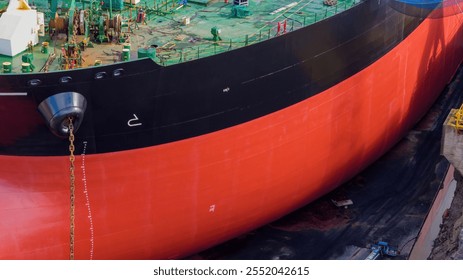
column 18, row 28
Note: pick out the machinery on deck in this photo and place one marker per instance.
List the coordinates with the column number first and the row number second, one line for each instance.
column 382, row 249
column 82, row 26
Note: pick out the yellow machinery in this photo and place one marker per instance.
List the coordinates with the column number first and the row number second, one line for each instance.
column 457, row 120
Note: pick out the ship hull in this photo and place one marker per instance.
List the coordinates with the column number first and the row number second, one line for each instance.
column 176, row 198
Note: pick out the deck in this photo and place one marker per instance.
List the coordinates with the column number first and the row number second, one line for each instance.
column 169, row 32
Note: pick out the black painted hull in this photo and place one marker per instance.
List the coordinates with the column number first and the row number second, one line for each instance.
column 206, row 95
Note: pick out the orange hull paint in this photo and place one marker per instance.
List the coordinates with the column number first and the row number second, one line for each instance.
column 175, row 199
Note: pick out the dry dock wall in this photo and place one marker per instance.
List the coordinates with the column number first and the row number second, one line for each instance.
column 449, row 244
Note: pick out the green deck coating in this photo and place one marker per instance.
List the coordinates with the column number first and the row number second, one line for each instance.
column 176, row 42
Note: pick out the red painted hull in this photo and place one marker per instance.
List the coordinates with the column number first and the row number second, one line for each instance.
column 175, row 199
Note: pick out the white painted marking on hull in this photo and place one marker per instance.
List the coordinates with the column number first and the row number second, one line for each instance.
column 13, row 93
column 133, row 122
